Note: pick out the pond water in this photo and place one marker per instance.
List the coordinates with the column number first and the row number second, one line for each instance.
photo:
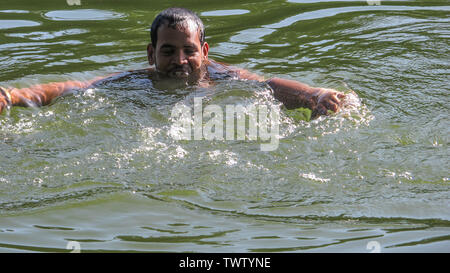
column 101, row 168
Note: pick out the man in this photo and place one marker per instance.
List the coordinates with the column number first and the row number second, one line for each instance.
column 179, row 53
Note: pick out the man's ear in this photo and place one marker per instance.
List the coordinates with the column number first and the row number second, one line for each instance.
column 205, row 50
column 150, row 54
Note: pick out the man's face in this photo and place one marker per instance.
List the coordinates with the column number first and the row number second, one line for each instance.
column 179, row 53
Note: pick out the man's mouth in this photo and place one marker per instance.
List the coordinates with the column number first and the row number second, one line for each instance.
column 179, row 73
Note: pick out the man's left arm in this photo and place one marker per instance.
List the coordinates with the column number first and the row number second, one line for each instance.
column 294, row 94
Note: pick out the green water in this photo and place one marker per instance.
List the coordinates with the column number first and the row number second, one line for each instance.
column 100, row 167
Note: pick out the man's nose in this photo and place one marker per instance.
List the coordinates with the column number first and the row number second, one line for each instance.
column 180, row 58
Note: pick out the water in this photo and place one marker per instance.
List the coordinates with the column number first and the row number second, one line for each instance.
column 99, row 166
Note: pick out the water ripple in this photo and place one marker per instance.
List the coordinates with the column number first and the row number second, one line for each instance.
column 8, row 24
column 82, row 15
column 101, row 165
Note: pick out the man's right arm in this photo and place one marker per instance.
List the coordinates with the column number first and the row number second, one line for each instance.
column 41, row 94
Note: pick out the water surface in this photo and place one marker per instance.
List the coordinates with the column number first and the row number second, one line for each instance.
column 100, row 166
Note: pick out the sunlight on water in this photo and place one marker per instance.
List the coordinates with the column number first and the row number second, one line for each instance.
column 106, row 166
column 81, row 15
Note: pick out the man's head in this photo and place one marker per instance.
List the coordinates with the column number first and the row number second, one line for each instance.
column 178, row 48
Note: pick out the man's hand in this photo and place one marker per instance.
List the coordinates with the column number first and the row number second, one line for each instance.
column 5, row 99
column 327, row 100
column 295, row 94
column 2, row 104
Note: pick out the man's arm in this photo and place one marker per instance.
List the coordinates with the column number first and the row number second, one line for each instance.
column 37, row 95
column 5, row 99
column 294, row 94
column 41, row 94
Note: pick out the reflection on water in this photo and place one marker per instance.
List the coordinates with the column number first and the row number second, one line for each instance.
column 81, row 15
column 100, row 167
column 6, row 24
column 224, row 12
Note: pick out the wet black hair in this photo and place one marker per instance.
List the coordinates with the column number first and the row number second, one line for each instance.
column 176, row 17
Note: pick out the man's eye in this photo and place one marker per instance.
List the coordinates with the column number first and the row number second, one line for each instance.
column 167, row 52
column 189, row 51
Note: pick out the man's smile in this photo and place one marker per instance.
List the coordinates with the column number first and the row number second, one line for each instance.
column 180, row 72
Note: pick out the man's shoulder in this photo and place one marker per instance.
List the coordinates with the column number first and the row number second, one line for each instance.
column 219, row 70
column 137, row 75
column 225, row 70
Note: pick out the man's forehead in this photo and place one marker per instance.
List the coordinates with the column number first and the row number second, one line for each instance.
column 185, row 26
column 166, row 32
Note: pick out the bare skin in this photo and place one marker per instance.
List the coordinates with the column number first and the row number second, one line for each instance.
column 180, row 56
